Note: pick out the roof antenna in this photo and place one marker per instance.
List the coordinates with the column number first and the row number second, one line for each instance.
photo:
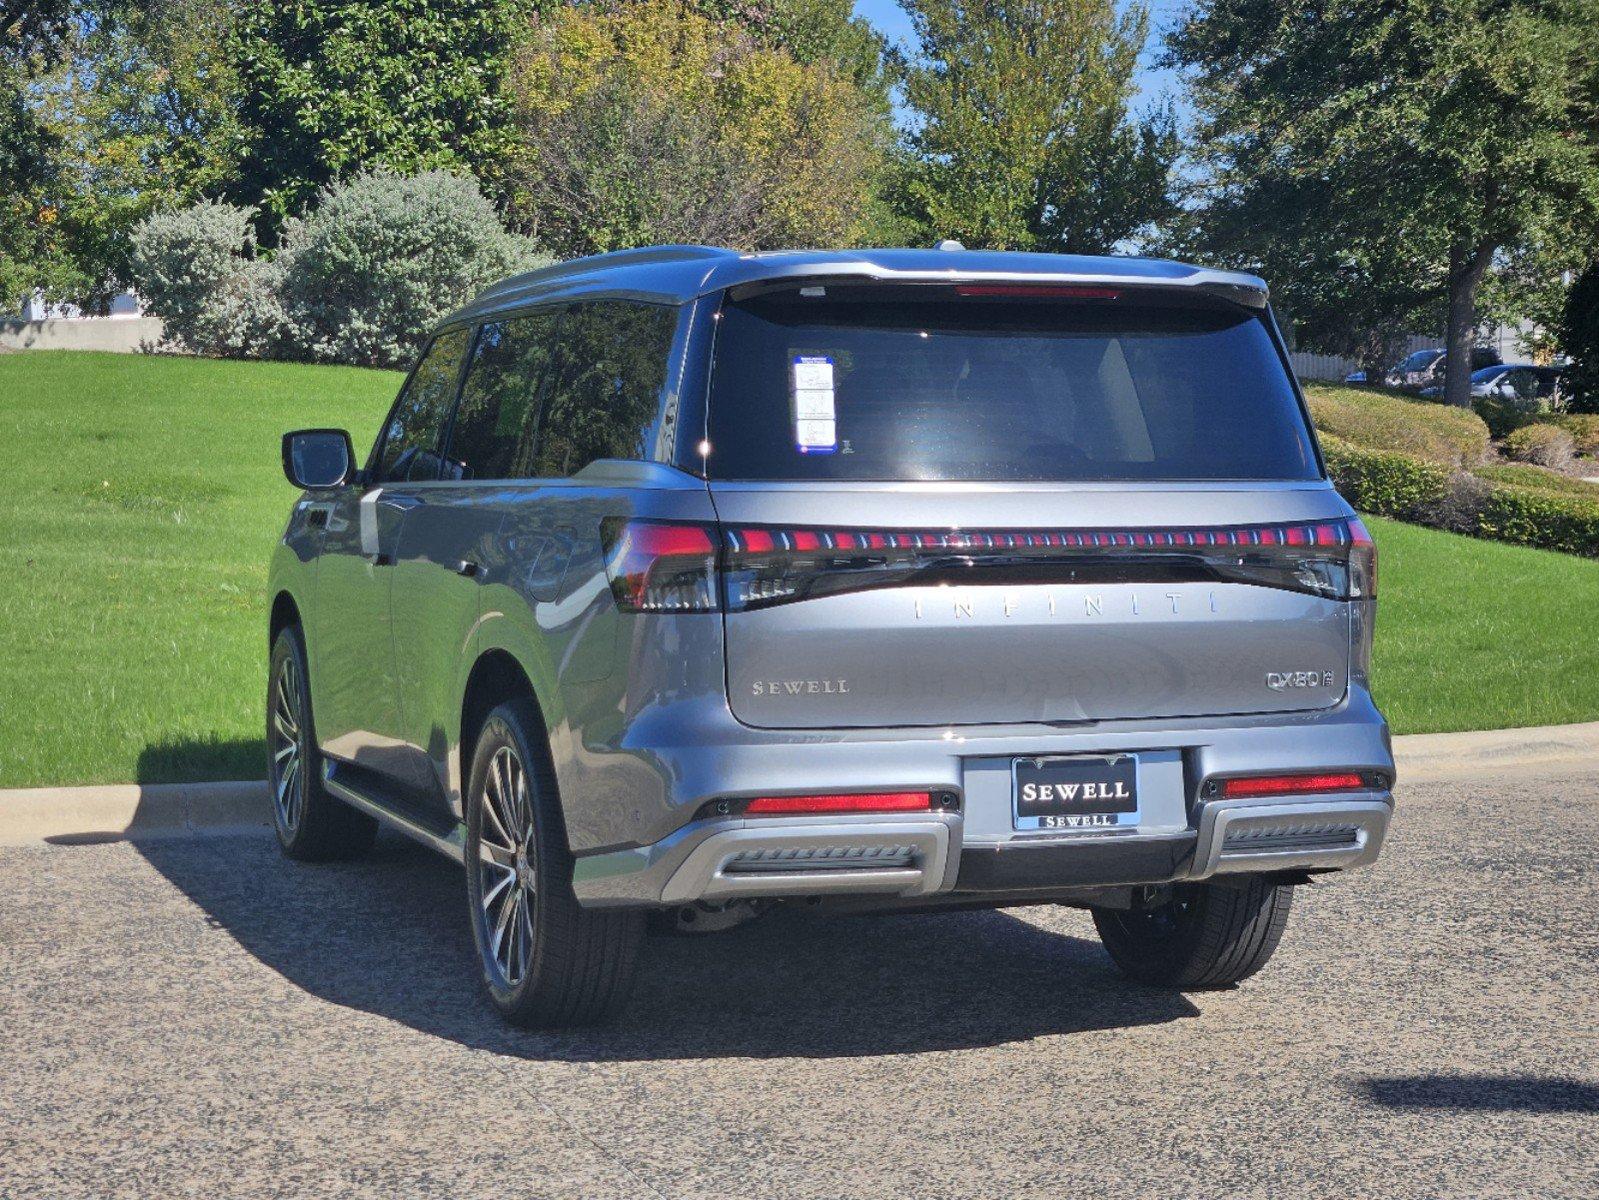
column 948, row 244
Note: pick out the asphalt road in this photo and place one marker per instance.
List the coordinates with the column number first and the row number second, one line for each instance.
column 202, row 1018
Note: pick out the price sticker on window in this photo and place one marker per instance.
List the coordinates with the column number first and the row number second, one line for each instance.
column 815, row 417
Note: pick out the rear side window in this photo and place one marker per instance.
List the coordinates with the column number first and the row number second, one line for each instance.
column 496, row 426
column 411, row 439
column 903, row 383
column 603, row 398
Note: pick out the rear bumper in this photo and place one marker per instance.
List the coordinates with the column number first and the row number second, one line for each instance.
column 912, row 858
column 975, row 851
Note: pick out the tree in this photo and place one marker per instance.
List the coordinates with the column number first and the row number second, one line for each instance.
column 1425, row 141
column 1023, row 138
column 648, row 122
column 1579, row 335
column 333, row 87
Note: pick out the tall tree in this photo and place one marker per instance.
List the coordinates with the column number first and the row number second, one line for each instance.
column 335, row 86
column 1022, row 135
column 33, row 40
column 1420, row 141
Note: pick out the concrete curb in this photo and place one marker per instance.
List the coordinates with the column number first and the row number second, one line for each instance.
column 114, row 812
column 117, row 811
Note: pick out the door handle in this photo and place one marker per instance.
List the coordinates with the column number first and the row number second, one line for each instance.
column 467, row 568
column 401, row 502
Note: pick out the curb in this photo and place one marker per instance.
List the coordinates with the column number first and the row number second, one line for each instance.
column 114, row 812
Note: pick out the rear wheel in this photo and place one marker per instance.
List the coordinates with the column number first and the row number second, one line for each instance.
column 1208, row 935
column 547, row 961
column 312, row 824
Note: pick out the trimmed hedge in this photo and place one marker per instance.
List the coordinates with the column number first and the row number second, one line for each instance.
column 1541, row 518
column 1545, row 445
column 1483, row 503
column 1583, row 428
column 1436, row 432
column 1540, row 479
column 1386, row 482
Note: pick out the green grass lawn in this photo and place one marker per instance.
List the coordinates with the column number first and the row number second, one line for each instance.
column 137, row 516
column 144, row 496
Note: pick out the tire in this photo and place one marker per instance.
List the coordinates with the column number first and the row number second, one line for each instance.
column 312, row 824
column 1209, row 935
column 546, row 960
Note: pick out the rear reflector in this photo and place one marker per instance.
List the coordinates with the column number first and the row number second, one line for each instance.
column 1292, row 785
column 841, row 802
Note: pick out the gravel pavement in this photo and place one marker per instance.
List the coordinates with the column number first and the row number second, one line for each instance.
column 199, row 1017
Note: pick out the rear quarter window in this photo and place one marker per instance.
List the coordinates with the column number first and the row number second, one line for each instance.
column 927, row 384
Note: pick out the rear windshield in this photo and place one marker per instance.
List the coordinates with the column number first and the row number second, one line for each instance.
column 907, row 383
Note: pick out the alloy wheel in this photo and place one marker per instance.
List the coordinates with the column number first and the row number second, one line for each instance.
column 508, row 873
column 288, row 746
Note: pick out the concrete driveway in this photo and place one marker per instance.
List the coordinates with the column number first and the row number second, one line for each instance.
column 198, row 1017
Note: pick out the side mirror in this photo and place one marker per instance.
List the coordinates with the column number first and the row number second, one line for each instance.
column 318, row 458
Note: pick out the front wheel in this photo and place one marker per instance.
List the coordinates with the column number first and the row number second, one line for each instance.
column 312, row 824
column 1208, row 935
column 546, row 960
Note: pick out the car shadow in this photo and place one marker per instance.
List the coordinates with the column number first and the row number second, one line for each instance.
column 1483, row 1093
column 389, row 935
column 195, row 759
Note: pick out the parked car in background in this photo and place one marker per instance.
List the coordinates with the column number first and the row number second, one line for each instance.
column 687, row 582
column 1425, row 368
column 1510, row 381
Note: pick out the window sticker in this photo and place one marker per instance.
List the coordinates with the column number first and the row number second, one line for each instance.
column 815, row 420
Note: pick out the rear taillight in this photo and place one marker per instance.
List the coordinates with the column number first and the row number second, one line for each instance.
column 763, row 565
column 1253, row 786
column 660, row 566
column 664, row 566
column 840, row 802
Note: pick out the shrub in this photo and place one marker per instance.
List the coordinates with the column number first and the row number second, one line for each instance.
column 195, row 272
column 1506, row 414
column 1387, row 483
column 1383, row 421
column 1583, row 428
column 381, row 258
column 1541, row 478
column 1546, row 445
column 1541, row 518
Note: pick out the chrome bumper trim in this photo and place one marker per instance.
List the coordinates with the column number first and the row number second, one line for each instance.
column 1309, row 833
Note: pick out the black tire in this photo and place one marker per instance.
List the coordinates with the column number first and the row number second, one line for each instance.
column 546, row 960
column 313, row 825
column 1209, row 935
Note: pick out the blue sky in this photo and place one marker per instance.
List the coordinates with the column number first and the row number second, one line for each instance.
column 891, row 21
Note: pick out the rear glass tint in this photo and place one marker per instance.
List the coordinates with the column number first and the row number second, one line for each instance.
column 880, row 383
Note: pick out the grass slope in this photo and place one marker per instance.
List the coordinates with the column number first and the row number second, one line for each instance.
column 137, row 516
column 145, row 494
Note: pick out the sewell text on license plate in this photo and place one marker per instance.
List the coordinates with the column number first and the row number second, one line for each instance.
column 1082, row 792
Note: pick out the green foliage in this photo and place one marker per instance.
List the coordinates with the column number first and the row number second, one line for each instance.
column 359, row 280
column 1579, row 336
column 1541, row 517
column 647, row 122
column 336, row 86
column 146, row 116
column 1389, row 421
column 1375, row 158
column 1583, row 428
column 1505, row 414
column 1022, row 137
column 1544, row 445
column 1543, row 479
column 1385, row 482
column 196, row 269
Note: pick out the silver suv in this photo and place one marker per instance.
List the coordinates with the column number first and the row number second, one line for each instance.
column 681, row 583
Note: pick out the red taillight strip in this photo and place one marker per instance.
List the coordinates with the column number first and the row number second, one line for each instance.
column 1292, row 785
column 841, row 802
column 763, row 539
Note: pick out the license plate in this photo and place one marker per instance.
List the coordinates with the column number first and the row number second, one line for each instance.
column 1083, row 792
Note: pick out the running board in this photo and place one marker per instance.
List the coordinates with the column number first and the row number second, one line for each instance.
column 451, row 844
